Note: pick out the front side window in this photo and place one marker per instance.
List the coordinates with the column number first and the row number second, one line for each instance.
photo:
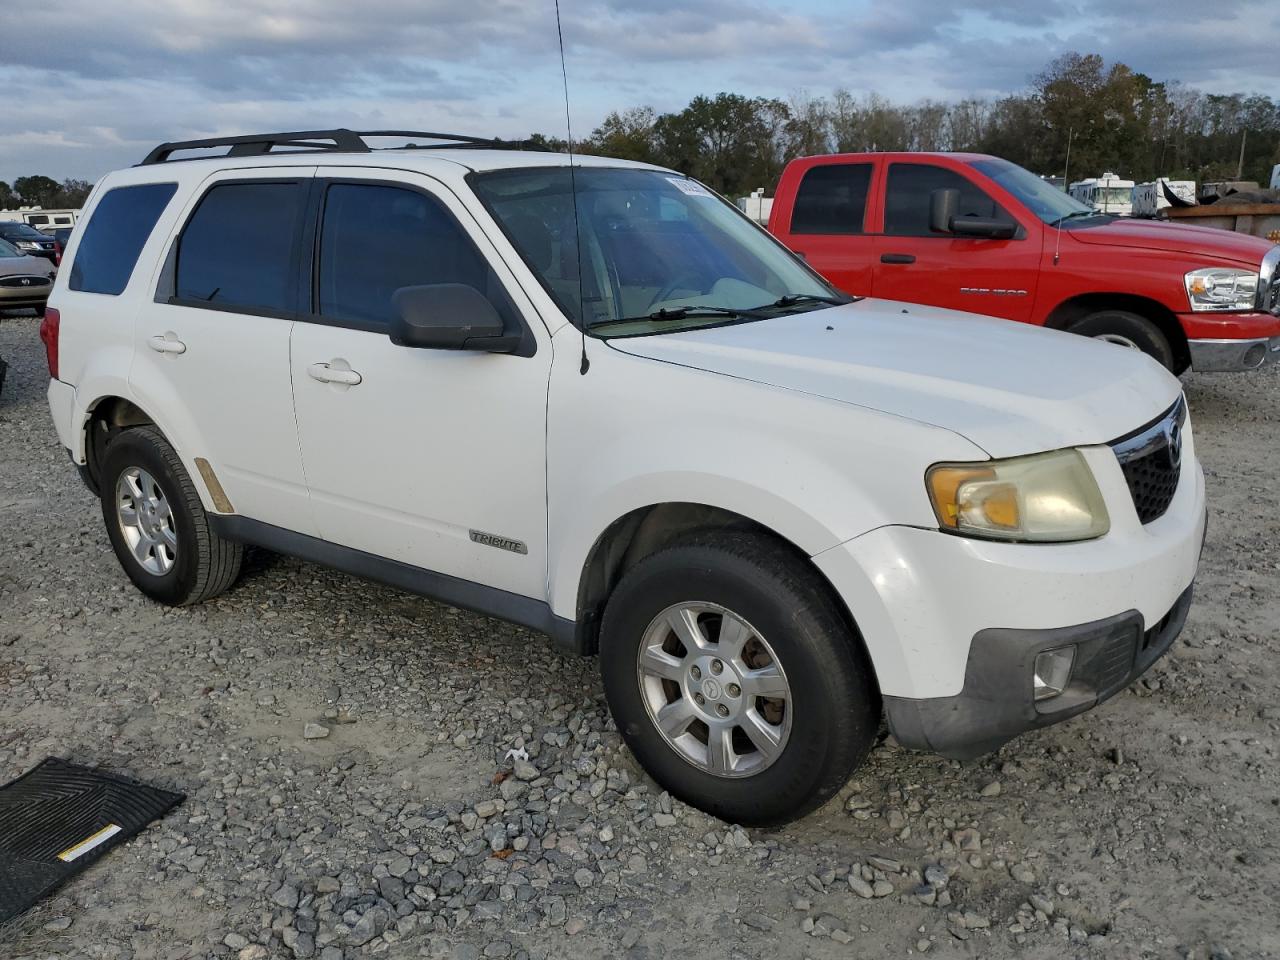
column 378, row 239
column 907, row 198
column 656, row 253
column 832, row 199
column 238, row 248
column 115, row 235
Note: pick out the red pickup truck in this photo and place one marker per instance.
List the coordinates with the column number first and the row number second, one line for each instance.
column 977, row 233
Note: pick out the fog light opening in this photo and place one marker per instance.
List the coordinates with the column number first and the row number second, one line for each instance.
column 1254, row 356
column 1053, row 672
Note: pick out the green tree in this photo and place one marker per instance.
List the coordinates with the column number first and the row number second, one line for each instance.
column 37, row 191
column 8, row 198
column 628, row 135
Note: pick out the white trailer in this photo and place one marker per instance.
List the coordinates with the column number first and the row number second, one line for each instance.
column 1275, row 177
column 757, row 206
column 1150, row 198
column 40, row 218
column 1106, row 194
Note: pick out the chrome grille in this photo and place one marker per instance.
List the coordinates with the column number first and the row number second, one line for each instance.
column 1151, row 460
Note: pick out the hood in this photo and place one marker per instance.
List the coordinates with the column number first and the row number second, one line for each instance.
column 1008, row 387
column 1209, row 242
column 27, row 266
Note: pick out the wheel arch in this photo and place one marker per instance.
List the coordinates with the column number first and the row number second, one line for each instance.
column 648, row 529
column 1075, row 308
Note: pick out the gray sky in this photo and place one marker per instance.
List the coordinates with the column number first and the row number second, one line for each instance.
column 108, row 79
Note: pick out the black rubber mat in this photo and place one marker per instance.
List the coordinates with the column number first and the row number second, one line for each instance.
column 58, row 818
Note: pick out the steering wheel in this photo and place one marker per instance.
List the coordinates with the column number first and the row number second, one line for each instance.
column 666, row 292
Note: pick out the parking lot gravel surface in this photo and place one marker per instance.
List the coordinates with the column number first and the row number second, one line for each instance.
column 354, row 760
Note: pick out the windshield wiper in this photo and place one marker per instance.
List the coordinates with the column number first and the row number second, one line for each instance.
column 682, row 313
column 791, row 299
column 1073, row 214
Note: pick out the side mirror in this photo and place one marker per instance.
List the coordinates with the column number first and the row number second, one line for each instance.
column 943, row 205
column 447, row 316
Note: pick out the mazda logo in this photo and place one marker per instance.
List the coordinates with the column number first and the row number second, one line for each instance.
column 1173, row 439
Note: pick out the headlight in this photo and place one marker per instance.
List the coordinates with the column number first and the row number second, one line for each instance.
column 1220, row 288
column 1048, row 497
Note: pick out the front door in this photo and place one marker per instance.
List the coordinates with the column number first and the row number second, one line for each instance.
column 435, row 458
column 914, row 264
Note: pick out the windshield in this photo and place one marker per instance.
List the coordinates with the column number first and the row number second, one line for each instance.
column 652, row 242
column 1113, row 195
column 8, row 250
column 1039, row 196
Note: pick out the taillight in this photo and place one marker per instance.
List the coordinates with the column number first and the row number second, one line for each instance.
column 49, row 328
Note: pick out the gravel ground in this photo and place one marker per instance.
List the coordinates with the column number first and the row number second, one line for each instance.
column 345, row 750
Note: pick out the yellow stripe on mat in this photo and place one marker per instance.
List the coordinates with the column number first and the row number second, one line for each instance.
column 87, row 844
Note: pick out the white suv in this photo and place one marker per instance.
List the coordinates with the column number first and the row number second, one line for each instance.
column 596, row 400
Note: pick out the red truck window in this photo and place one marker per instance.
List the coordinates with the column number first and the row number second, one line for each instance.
column 906, row 211
column 832, row 199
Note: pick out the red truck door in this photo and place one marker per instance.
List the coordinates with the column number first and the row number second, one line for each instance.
column 828, row 223
column 981, row 275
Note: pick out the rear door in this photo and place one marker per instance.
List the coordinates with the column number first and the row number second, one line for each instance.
column 435, row 458
column 211, row 357
column 914, row 264
column 829, row 224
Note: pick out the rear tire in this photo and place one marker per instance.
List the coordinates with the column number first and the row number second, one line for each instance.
column 779, row 756
column 1127, row 330
column 158, row 526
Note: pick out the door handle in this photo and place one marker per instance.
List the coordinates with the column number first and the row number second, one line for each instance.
column 335, row 371
column 897, row 258
column 167, row 342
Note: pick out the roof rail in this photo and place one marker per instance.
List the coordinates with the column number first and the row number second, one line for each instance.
column 339, row 140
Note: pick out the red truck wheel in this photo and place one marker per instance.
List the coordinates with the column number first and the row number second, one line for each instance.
column 1127, row 330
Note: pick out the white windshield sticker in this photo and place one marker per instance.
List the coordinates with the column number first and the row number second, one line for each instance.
column 689, row 187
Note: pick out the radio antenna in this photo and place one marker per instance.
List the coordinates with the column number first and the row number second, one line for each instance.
column 573, row 190
column 1066, row 186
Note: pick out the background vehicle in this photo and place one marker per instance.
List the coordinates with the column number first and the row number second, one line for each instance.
column 61, row 237
column 28, row 239
column 973, row 232
column 1105, row 194
column 25, row 281
column 1150, row 198
column 598, row 401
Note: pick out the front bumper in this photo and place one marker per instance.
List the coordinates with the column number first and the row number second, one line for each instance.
column 997, row 702
column 1232, row 356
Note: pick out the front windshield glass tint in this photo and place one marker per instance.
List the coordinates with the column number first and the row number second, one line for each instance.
column 8, row 250
column 1114, row 195
column 20, row 231
column 1039, row 196
column 651, row 241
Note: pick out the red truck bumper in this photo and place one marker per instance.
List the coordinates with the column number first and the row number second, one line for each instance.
column 1228, row 342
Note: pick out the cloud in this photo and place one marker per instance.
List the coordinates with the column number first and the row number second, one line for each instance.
column 140, row 71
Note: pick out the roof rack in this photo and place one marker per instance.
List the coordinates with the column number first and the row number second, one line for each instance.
column 340, row 140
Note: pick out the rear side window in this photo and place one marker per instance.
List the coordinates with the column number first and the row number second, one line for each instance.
column 116, row 234
column 238, row 250
column 832, row 198
column 906, row 211
column 376, row 239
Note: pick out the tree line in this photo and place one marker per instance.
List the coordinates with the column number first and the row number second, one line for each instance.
column 1115, row 119
column 41, row 191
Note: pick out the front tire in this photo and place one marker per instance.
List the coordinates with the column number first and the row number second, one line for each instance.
column 1127, row 329
column 734, row 679
column 158, row 526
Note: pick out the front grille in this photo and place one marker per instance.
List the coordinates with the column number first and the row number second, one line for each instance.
column 1271, row 299
column 24, row 281
column 1151, row 460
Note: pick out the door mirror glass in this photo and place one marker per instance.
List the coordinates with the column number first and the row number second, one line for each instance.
column 942, row 209
column 447, row 316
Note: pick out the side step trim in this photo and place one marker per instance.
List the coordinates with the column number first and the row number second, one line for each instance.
column 456, row 592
